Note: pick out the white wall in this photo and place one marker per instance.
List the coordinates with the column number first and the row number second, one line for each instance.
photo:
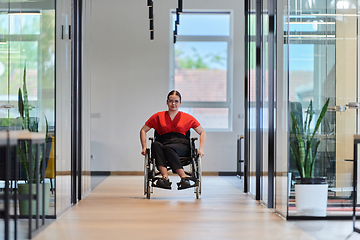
column 130, row 81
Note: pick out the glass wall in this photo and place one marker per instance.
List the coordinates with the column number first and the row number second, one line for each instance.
column 27, row 75
column 73, row 102
column 252, row 96
column 27, row 41
column 322, row 55
column 265, row 102
column 259, row 90
column 281, row 111
column 63, row 106
column 86, row 97
column 316, row 52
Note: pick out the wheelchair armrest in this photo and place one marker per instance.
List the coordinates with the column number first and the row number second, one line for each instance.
column 192, row 146
column 193, row 142
column 151, row 139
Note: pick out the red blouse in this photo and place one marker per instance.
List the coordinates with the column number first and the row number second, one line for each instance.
column 181, row 123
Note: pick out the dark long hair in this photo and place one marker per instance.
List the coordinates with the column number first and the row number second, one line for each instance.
column 174, row 92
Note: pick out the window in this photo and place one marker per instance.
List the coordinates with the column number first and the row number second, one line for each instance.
column 201, row 67
column 27, row 38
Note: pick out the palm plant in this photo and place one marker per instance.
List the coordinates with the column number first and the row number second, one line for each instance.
column 302, row 137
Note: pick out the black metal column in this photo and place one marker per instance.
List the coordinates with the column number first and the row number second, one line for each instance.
column 259, row 99
column 75, row 101
column 247, row 99
column 16, row 196
column 30, row 193
column 73, row 105
column 79, row 100
column 271, row 90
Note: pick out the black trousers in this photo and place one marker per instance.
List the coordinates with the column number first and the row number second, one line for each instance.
column 168, row 150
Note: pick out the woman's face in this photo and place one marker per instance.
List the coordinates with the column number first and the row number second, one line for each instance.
column 173, row 103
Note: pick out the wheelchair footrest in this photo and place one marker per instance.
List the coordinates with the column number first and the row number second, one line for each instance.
column 185, row 183
column 161, row 183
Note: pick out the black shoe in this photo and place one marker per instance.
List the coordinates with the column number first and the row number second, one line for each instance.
column 163, row 183
column 184, row 183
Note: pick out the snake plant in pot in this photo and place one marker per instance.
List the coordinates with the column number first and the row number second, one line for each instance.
column 27, row 152
column 310, row 191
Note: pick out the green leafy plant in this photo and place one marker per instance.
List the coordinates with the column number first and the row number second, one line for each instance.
column 302, row 140
column 23, row 149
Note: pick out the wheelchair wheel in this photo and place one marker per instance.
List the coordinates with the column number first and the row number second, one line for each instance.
column 148, row 192
column 147, row 187
column 197, row 192
column 198, row 176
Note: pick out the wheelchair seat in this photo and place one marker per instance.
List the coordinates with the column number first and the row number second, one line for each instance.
column 192, row 162
column 185, row 160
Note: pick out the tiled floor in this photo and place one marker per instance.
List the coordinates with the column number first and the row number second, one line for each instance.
column 116, row 209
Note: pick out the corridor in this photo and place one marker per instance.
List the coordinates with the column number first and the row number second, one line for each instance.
column 117, row 209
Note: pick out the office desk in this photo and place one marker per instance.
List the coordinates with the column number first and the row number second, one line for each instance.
column 9, row 140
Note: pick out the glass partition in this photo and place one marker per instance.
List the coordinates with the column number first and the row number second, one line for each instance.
column 322, row 53
column 27, row 76
column 316, row 64
column 281, row 106
column 265, row 103
column 252, row 110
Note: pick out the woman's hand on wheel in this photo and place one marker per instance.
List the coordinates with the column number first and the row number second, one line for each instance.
column 201, row 153
column 143, row 151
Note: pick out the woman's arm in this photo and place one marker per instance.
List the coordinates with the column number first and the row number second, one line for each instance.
column 202, row 134
column 143, row 132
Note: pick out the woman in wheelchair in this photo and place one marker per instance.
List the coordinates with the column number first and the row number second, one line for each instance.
column 172, row 126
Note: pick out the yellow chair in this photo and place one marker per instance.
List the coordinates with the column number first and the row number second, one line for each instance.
column 50, row 169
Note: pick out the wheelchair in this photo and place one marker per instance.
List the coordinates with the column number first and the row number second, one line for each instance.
column 191, row 164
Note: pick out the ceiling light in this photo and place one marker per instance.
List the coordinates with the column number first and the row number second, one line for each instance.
column 149, row 3
column 24, row 12
column 151, row 13
column 180, row 6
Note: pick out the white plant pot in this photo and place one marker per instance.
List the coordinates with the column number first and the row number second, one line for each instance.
column 311, row 199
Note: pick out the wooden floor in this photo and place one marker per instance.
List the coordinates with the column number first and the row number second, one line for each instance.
column 117, row 209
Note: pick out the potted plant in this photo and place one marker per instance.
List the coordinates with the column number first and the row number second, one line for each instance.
column 310, row 191
column 24, row 150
